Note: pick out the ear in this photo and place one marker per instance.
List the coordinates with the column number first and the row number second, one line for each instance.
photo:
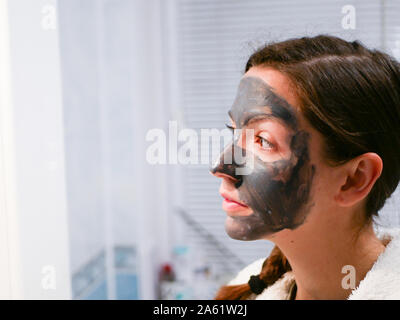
column 359, row 176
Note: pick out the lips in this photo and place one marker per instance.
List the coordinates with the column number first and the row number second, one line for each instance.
column 230, row 199
column 233, row 207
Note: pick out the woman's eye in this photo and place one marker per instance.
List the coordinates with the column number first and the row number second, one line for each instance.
column 265, row 144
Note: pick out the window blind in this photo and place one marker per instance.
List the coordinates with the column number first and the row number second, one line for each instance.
column 214, row 40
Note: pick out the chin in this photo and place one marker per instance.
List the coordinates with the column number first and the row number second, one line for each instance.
column 238, row 230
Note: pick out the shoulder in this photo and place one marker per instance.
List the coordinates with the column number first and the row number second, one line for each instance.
column 277, row 291
column 244, row 275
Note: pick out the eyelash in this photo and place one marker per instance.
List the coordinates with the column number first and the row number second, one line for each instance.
column 229, row 127
column 259, row 137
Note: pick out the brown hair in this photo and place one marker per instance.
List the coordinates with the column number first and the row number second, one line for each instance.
column 351, row 95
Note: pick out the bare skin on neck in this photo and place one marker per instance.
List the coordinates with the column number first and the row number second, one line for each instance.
column 317, row 260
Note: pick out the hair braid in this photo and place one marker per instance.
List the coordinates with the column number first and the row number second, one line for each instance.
column 272, row 269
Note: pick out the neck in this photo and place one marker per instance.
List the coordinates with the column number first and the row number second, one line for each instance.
column 329, row 265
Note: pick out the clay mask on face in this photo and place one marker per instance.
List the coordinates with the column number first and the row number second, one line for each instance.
column 278, row 192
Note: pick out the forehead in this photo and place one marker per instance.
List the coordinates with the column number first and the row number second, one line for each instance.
column 279, row 83
column 257, row 98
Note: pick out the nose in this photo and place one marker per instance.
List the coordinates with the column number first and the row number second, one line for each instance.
column 227, row 179
column 225, row 166
column 222, row 175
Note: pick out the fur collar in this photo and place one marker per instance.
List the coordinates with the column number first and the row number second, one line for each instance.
column 382, row 282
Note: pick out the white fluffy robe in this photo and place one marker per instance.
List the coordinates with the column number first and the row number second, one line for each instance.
column 382, row 282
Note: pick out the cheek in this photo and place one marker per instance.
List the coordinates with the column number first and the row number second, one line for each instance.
column 324, row 187
column 263, row 190
column 273, row 158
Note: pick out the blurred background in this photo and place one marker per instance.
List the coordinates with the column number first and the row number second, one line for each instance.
column 83, row 214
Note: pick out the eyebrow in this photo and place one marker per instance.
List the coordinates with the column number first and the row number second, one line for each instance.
column 255, row 117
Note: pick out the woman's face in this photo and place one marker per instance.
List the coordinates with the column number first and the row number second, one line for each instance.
column 269, row 170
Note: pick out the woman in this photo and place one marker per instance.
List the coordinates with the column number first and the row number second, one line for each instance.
column 317, row 124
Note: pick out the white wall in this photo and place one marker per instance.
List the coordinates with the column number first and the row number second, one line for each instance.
column 33, row 194
column 113, row 94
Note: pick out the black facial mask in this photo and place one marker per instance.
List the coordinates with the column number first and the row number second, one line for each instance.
column 278, row 191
